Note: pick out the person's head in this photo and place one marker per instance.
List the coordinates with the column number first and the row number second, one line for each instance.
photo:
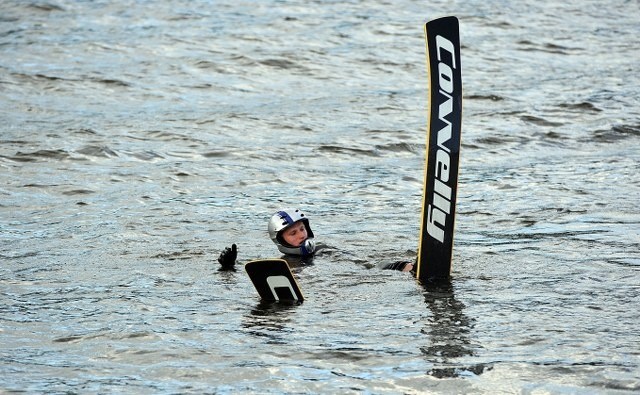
column 290, row 231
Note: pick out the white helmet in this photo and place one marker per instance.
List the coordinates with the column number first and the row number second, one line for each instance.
column 282, row 220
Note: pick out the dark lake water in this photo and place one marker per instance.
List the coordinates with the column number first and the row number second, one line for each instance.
column 138, row 139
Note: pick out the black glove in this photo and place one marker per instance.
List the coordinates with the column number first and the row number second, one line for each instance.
column 228, row 257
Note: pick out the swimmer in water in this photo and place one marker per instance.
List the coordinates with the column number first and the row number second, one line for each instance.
column 291, row 232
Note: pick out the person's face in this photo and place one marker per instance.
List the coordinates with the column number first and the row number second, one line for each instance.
column 295, row 234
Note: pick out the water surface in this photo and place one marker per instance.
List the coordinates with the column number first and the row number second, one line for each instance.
column 138, row 139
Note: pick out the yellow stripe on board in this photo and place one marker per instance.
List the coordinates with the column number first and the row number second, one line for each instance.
column 426, row 156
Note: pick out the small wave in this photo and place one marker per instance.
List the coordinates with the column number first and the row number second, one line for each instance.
column 485, row 97
column 631, row 262
column 584, row 106
column 46, row 7
column 19, row 78
column 111, row 82
column 186, row 16
column 281, row 64
column 538, row 235
column 97, row 151
column 539, row 121
column 75, row 192
column 11, row 31
column 146, row 155
column 179, row 255
column 215, row 154
column 39, row 155
column 83, row 131
column 498, row 24
column 136, row 335
column 48, row 77
column 616, row 133
column 346, row 150
column 397, row 147
column 205, row 121
column 68, row 339
column 123, row 336
column 170, row 136
column 530, row 46
column 15, row 142
column 181, row 154
column 554, row 135
column 33, row 185
column 499, row 140
column 208, row 65
column 4, row 18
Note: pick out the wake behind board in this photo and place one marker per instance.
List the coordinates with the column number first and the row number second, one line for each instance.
column 443, row 149
column 273, row 280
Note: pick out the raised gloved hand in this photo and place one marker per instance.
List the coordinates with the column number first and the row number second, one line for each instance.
column 228, row 257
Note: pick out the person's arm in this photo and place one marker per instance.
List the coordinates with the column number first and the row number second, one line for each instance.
column 402, row 266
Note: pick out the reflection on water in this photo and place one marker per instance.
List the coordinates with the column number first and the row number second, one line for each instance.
column 269, row 321
column 448, row 330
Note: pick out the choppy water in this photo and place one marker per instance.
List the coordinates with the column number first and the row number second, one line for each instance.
column 138, row 139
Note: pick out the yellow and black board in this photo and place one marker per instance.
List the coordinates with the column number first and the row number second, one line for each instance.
column 442, row 157
column 273, row 280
